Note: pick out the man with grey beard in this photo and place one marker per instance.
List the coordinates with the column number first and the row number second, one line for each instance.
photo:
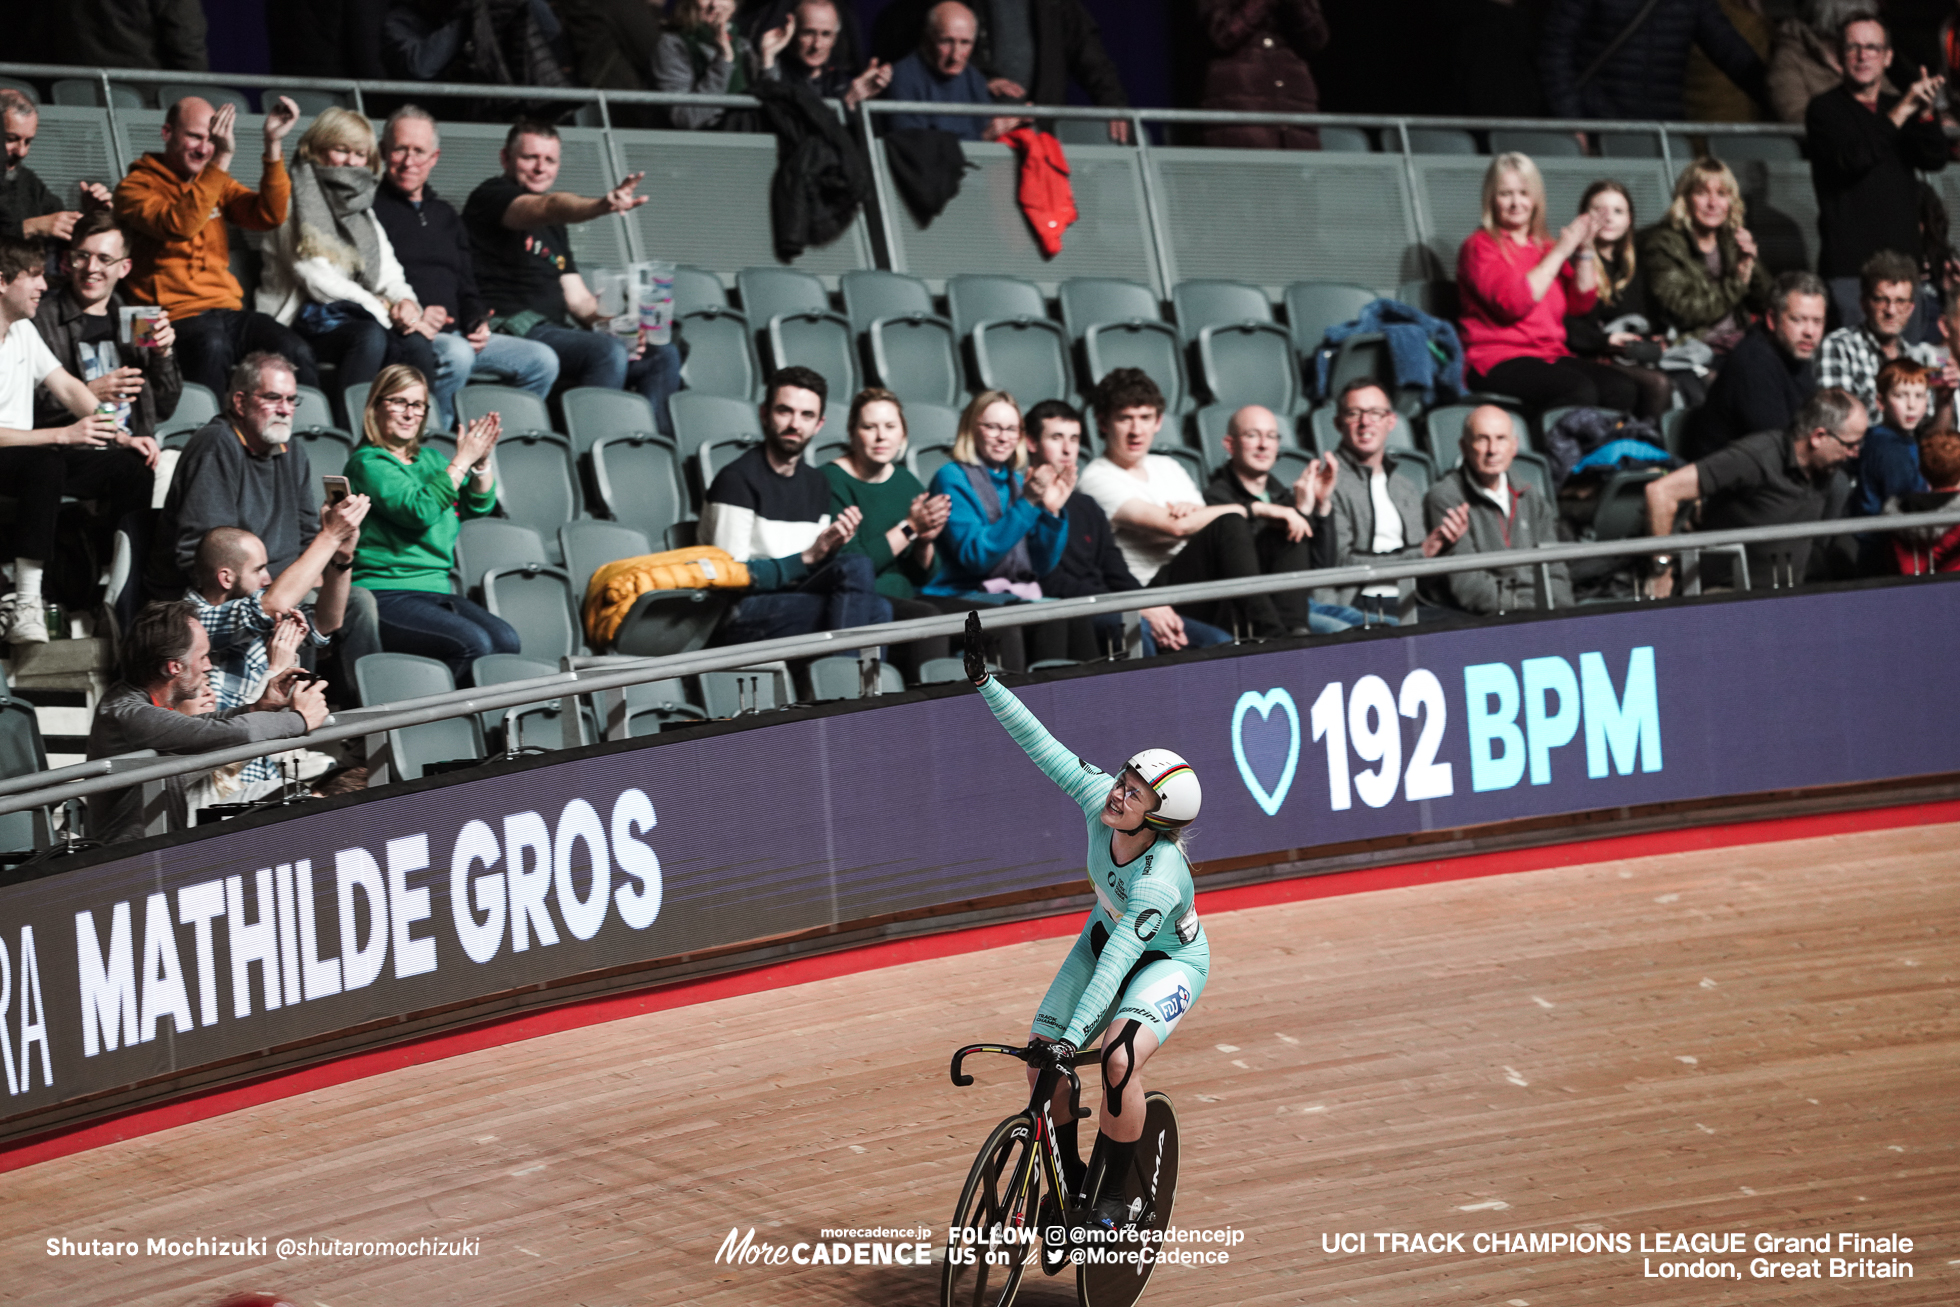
column 241, row 469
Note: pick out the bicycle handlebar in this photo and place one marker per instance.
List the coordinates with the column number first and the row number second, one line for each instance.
column 1082, row 1058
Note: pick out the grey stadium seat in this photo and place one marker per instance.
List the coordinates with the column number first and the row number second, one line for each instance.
column 327, row 453
column 522, row 411
column 22, row 753
column 315, row 411
column 718, row 454
column 1088, row 301
column 588, row 546
column 721, row 353
column 1622, row 510
column 535, row 725
column 354, row 398
column 27, row 89
column 1314, row 306
column 1753, row 149
column 312, row 103
column 930, row 424
column 537, row 482
column 1151, row 346
column 538, row 602
column 972, row 300
column 917, row 358
column 1544, row 144
column 701, row 418
column 820, row 341
column 170, row 92
column 593, row 413
column 840, row 678
column 1202, row 304
column 696, row 289
column 1250, row 363
column 1345, row 140
column 196, row 406
column 1027, row 357
column 1437, row 140
column 872, row 293
column 926, row 460
column 86, row 93
column 485, row 544
column 639, row 483
column 393, row 677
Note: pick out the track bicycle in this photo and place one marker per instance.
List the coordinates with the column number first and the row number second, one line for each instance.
column 1002, row 1225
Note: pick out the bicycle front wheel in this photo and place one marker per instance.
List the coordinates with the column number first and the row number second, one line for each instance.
column 994, row 1224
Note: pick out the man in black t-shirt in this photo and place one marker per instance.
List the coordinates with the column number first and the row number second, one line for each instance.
column 1769, row 479
column 526, row 272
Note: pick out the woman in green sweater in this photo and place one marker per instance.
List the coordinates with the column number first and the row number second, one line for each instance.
column 901, row 520
column 408, row 543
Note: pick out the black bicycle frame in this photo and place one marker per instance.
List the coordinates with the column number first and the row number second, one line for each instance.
column 1040, row 1108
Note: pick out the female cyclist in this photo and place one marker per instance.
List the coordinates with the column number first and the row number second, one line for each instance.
column 1141, row 960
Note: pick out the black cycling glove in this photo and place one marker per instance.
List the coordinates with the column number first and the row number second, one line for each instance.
column 976, row 661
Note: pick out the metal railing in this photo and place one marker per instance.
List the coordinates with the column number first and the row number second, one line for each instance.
column 96, row 776
column 1394, row 128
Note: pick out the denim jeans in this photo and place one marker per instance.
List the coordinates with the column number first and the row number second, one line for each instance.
column 599, row 358
column 835, row 597
column 442, row 626
column 526, row 364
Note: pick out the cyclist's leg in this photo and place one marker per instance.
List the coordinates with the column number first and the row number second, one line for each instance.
column 1050, row 1022
column 1151, row 1006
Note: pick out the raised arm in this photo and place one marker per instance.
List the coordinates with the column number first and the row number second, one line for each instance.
column 1088, row 785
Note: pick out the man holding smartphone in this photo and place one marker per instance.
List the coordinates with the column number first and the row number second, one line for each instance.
column 429, row 239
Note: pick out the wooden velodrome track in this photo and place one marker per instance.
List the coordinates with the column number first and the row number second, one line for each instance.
column 1760, row 1038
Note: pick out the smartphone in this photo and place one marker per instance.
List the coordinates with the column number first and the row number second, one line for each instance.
column 336, row 488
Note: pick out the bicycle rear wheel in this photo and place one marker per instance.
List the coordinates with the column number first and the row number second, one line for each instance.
column 1149, row 1191
column 998, row 1205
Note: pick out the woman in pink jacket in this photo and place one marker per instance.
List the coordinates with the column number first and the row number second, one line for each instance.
column 1517, row 284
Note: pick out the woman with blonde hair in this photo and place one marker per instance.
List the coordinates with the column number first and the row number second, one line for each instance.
column 1004, row 530
column 1702, row 269
column 330, row 273
column 418, row 499
column 1517, row 285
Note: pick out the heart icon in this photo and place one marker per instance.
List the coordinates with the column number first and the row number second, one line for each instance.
column 1264, row 704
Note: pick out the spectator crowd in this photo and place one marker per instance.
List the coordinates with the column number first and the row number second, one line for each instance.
column 1799, row 396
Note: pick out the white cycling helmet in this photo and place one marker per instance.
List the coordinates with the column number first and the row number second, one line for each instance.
column 1179, row 795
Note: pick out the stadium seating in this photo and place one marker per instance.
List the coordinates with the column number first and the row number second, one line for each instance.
column 537, row 482
column 327, row 452
column 701, row 418
column 531, row 725
column 931, row 424
column 1621, row 511
column 721, row 356
column 1215, row 303
column 1250, row 363
column 485, row 544
column 1314, row 306
column 393, row 677
column 1026, row 357
column 315, row 411
column 588, row 546
column 1091, row 301
column 842, row 678
column 22, row 753
column 926, row 460
column 1345, row 140
column 639, row 484
column 1149, row 346
column 538, row 602
column 593, row 412
column 523, row 412
column 973, row 300
column 196, row 406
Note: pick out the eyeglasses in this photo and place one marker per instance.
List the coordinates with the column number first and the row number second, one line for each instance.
column 85, row 259
column 1848, row 446
column 1367, row 414
column 1893, row 301
column 1131, row 793
column 271, row 400
column 1000, row 428
column 409, row 407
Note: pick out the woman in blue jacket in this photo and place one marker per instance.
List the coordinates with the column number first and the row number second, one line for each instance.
column 1006, row 528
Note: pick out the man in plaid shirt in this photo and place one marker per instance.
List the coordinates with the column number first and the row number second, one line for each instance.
column 1850, row 357
column 246, row 612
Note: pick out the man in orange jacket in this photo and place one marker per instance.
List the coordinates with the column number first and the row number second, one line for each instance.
column 175, row 205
